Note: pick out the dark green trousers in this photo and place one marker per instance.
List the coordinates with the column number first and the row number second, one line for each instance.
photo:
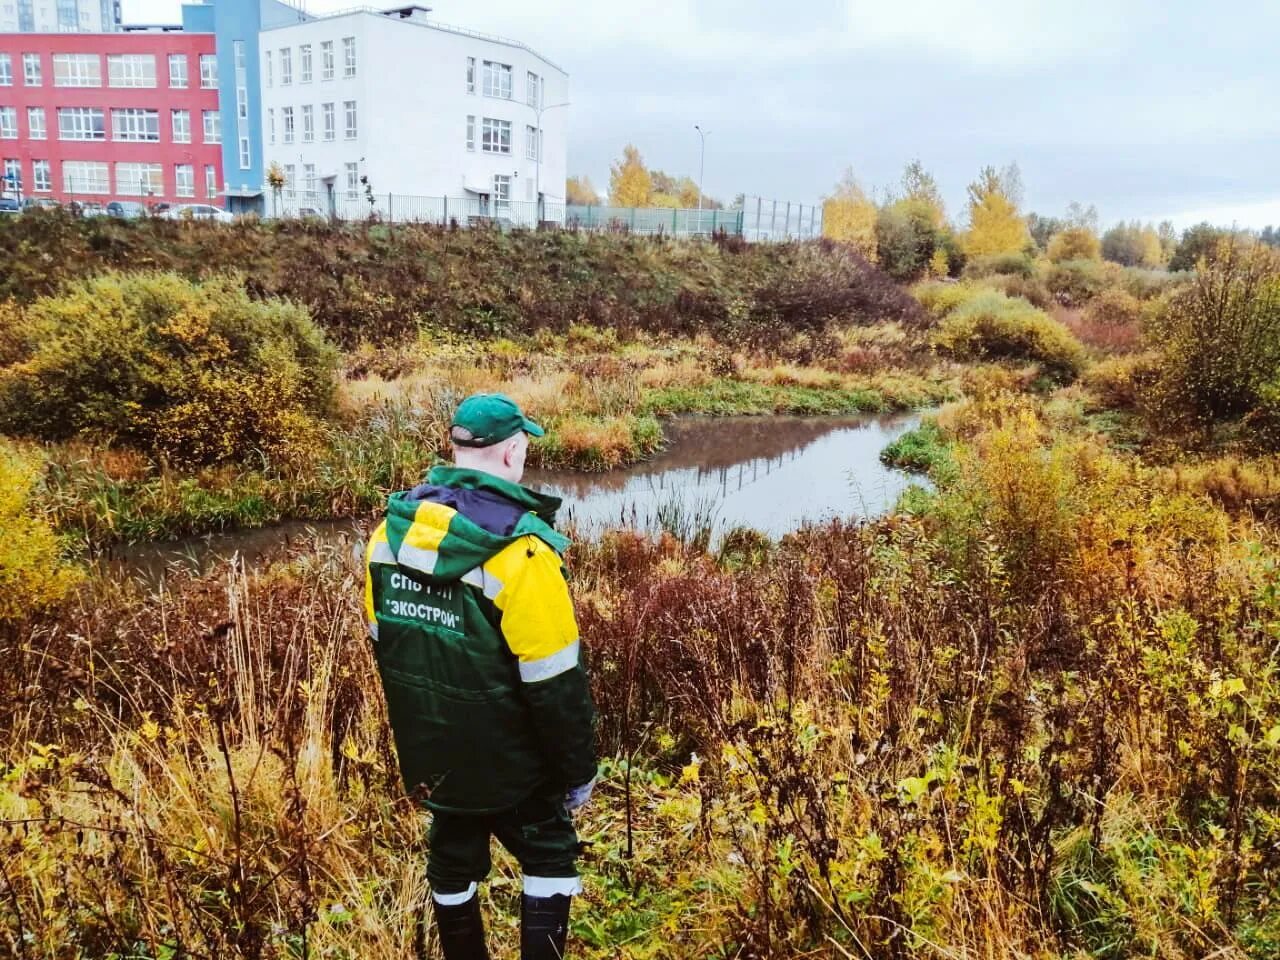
column 538, row 832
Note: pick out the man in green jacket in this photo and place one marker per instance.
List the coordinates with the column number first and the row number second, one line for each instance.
column 478, row 650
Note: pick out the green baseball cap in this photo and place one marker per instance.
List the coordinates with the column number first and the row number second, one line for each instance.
column 491, row 418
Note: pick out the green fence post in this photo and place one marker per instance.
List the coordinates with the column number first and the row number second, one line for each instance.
column 674, row 228
column 633, row 219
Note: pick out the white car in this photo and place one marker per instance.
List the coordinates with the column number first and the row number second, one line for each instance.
column 198, row 211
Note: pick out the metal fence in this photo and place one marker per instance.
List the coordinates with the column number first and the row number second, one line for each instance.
column 654, row 220
column 407, row 208
column 765, row 220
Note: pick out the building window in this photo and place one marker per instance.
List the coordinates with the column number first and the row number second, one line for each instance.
column 271, row 125
column 85, row 176
column 286, row 66
column 212, row 126
column 471, row 74
column 12, row 175
column 353, row 181
column 308, row 124
column 242, row 103
column 304, row 63
column 182, row 126
column 533, row 89
column 208, row 71
column 289, row 180
column 286, row 115
column 348, row 56
column 77, row 70
column 328, row 121
column 134, row 125
column 497, row 79
column 495, row 136
column 471, row 132
column 36, row 128
column 131, row 70
column 246, row 161
column 210, row 181
column 309, row 177
column 184, row 176
column 41, row 177
column 266, row 63
column 532, row 147
column 31, row 74
column 178, row 78
column 84, row 123
column 139, row 179
column 326, row 60
column 501, row 191
column 350, row 107
column 237, row 49
column 8, row 123
column 6, row 70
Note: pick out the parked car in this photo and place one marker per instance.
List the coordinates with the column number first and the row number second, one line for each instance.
column 87, row 208
column 198, row 211
column 310, row 213
column 160, row 209
column 126, row 209
column 10, row 205
column 42, row 203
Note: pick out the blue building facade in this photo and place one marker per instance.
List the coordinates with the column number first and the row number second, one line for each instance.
column 236, row 26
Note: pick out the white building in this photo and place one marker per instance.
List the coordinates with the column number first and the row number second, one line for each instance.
column 59, row 16
column 431, row 122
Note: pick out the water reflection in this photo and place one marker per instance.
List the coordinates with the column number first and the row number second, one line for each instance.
column 773, row 474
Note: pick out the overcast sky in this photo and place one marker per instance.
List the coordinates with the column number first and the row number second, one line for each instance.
column 1146, row 108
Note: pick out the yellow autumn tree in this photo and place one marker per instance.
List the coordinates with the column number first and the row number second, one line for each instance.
column 995, row 226
column 849, row 216
column 630, row 184
column 580, row 191
column 1074, row 243
column 919, row 186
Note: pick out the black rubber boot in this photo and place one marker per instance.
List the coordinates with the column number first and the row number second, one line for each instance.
column 461, row 930
column 544, row 926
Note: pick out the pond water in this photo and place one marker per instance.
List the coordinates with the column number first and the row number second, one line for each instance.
column 770, row 473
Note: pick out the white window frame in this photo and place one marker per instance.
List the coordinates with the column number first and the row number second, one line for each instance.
column 238, row 55
column 246, row 158
column 181, row 122
column 351, row 126
column 8, row 123
column 304, row 63
column 93, row 177
column 471, row 133
column 6, row 70
column 495, row 136
column 501, row 198
column 309, row 179
column 37, row 130
column 533, row 89
column 77, row 70
column 208, row 71
column 308, row 123
column 266, row 67
column 353, row 180
column 179, row 72
column 211, row 122
column 139, row 179
column 271, row 125
column 41, row 184
column 348, row 57
column 286, row 124
column 290, row 180
column 12, row 167
column 471, row 74
column 328, row 122
column 32, row 73
column 286, row 66
column 83, row 120
column 242, row 103
column 210, row 181
column 497, row 79
column 532, row 143
column 184, row 172
column 131, row 70
column 328, row 63
column 135, row 125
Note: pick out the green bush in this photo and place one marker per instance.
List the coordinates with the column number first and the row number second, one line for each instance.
column 194, row 373
column 940, row 297
column 991, row 326
column 1220, row 338
column 1114, row 308
column 1005, row 264
column 1075, row 282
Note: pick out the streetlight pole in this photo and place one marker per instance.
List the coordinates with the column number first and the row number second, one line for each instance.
column 537, row 155
column 702, row 161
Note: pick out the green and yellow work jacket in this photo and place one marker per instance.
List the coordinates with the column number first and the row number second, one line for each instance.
column 477, row 644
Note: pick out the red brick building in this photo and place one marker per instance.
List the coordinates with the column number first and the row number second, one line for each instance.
column 107, row 116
